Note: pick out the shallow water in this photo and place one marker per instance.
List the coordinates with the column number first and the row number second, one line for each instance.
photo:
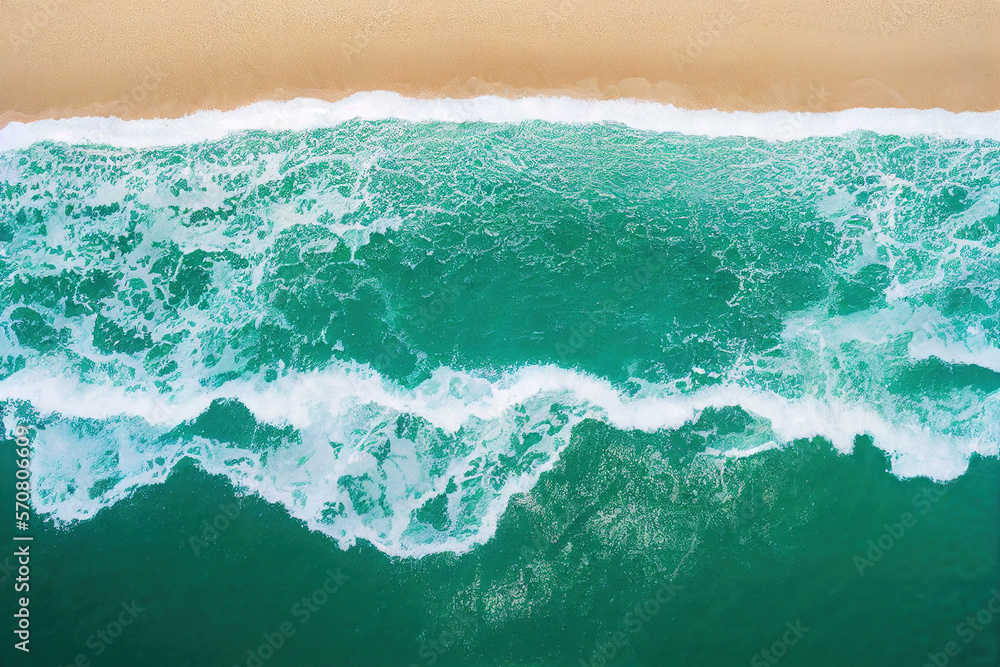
column 520, row 381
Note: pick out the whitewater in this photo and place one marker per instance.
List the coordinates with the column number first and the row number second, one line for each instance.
column 389, row 315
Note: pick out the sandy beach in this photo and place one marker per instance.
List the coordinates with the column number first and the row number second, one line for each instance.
column 160, row 59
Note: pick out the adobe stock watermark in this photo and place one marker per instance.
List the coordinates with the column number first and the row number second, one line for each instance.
column 817, row 97
column 816, row 101
column 902, row 12
column 103, row 639
column 361, row 38
column 779, row 649
column 140, row 92
column 641, row 615
column 430, row 312
column 967, row 631
column 23, row 450
column 562, row 523
column 223, row 11
column 558, row 15
column 47, row 12
column 301, row 612
column 747, row 508
column 425, row 317
column 698, row 43
column 224, row 8
column 894, row 532
column 431, row 650
column 211, row 529
column 635, row 621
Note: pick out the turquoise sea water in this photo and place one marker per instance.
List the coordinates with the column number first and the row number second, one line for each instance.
column 544, row 393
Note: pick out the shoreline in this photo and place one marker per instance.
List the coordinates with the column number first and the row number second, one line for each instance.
column 100, row 59
column 305, row 114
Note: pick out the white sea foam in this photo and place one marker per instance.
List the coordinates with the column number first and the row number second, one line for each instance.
column 737, row 453
column 306, row 114
column 369, row 454
column 469, row 425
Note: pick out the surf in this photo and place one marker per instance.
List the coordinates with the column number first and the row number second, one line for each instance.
column 391, row 316
column 303, row 114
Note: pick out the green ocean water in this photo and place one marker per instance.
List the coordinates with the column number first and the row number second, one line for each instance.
column 530, row 393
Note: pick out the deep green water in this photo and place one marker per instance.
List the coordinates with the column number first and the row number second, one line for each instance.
column 526, row 389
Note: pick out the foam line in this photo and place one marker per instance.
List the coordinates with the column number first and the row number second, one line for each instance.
column 306, row 114
column 85, row 465
column 303, row 399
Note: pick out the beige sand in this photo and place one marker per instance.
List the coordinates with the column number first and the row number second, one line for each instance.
column 155, row 58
